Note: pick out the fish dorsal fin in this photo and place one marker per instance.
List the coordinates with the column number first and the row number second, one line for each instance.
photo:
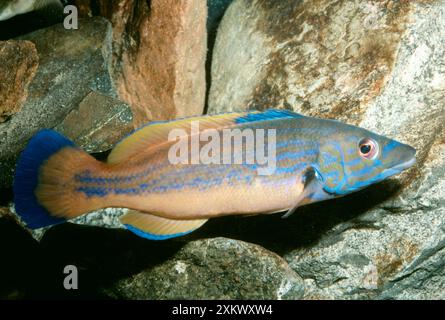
column 271, row 114
column 157, row 228
column 156, row 133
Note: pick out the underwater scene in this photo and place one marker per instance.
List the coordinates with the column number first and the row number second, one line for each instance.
column 222, row 150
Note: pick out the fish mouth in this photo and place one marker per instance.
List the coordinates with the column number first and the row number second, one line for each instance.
column 400, row 167
column 405, row 165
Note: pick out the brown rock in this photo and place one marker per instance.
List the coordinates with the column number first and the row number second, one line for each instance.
column 19, row 61
column 98, row 123
column 159, row 55
column 84, row 8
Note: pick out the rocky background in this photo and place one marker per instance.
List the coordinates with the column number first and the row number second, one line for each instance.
column 376, row 64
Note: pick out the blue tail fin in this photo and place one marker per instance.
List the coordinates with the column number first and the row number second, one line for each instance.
column 41, row 147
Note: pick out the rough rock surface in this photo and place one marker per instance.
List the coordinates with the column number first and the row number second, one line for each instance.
column 71, row 65
column 377, row 64
column 215, row 268
column 19, row 64
column 325, row 58
column 98, row 123
column 159, row 51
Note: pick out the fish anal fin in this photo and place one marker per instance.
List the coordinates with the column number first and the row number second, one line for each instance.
column 157, row 228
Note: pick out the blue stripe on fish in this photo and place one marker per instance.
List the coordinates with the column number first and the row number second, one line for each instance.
column 294, row 142
column 87, row 177
column 267, row 115
column 339, row 184
column 360, row 184
column 93, row 191
column 296, row 155
column 362, row 171
column 367, row 170
column 151, row 236
column 291, row 169
column 126, row 191
column 328, row 158
column 354, row 161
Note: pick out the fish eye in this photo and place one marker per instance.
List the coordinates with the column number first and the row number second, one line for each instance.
column 368, row 148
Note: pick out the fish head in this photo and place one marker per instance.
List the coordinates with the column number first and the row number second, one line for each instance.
column 352, row 158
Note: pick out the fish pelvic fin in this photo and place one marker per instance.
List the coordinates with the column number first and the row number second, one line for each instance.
column 157, row 228
column 43, row 176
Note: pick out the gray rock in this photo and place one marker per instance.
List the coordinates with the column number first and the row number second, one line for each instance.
column 322, row 58
column 105, row 218
column 216, row 268
column 378, row 65
column 72, row 63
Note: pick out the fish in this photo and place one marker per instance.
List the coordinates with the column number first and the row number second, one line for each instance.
column 310, row 160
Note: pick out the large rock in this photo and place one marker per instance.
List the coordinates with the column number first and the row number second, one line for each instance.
column 159, row 51
column 98, row 123
column 71, row 65
column 320, row 57
column 19, row 64
column 375, row 64
column 216, row 268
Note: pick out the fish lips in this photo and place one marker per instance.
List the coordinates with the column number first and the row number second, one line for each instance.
column 409, row 161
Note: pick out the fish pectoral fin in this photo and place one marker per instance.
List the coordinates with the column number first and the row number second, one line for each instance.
column 312, row 182
column 157, row 228
column 290, row 212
